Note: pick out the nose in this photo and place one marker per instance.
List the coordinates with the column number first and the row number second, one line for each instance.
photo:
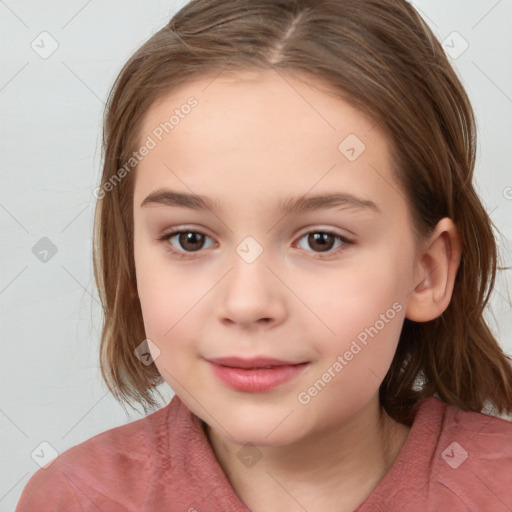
column 251, row 295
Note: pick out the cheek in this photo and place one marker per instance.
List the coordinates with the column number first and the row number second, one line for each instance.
column 159, row 292
column 345, row 301
column 359, row 315
column 354, row 360
column 167, row 302
column 171, row 296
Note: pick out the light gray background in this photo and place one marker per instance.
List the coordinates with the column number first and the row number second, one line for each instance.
column 50, row 122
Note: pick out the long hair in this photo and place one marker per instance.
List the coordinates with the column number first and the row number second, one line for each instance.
column 381, row 57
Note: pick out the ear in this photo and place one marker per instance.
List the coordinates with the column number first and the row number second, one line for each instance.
column 438, row 262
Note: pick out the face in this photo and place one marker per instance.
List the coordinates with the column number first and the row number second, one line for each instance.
column 316, row 293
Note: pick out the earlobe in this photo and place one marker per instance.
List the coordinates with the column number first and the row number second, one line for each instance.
column 436, row 270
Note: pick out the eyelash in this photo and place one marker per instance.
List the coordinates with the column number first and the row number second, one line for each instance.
column 165, row 238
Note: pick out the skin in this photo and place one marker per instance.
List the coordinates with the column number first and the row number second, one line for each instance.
column 253, row 140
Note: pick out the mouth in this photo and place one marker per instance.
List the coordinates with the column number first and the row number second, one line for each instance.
column 255, row 375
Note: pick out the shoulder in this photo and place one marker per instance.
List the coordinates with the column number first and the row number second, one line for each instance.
column 473, row 458
column 451, row 460
column 484, row 437
column 115, row 463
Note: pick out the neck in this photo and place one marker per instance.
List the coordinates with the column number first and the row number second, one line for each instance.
column 338, row 465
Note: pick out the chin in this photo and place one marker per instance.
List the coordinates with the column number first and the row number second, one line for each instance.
column 262, row 439
column 261, row 430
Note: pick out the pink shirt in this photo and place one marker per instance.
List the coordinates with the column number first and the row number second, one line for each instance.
column 451, row 461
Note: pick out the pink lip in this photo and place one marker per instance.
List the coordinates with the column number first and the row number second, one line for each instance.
column 254, row 375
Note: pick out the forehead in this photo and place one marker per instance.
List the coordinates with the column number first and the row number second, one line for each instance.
column 253, row 131
column 278, row 101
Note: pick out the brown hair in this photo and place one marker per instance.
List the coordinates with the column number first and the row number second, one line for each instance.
column 382, row 57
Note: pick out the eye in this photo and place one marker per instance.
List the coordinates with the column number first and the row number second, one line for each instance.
column 324, row 241
column 188, row 241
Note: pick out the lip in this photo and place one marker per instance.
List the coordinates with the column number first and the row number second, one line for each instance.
column 255, row 375
column 255, row 362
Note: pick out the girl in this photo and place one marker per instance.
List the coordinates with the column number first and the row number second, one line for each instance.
column 288, row 235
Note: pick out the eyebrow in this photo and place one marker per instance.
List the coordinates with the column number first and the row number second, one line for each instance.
column 166, row 197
